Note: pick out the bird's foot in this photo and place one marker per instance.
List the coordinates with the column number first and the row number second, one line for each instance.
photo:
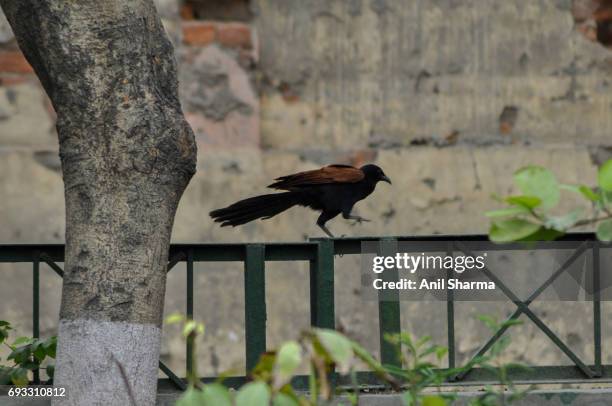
column 359, row 219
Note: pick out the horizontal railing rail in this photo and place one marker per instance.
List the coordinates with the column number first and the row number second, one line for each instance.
column 320, row 254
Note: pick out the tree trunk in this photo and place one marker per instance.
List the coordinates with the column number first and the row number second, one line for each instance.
column 127, row 155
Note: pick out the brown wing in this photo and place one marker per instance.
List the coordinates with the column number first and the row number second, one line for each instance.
column 327, row 174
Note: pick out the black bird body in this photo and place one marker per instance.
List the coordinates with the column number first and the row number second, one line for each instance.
column 332, row 190
column 335, row 197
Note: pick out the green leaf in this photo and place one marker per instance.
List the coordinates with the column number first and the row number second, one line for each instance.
column 22, row 341
column 423, row 340
column 510, row 211
column 175, row 318
column 527, row 202
column 39, row 352
column 265, row 365
column 435, row 349
column 433, row 401
column 288, row 358
column 339, row 348
column 50, row 345
column 409, row 399
column 441, row 352
column 253, row 394
column 19, row 376
column 490, row 321
column 50, row 370
column 588, row 193
column 604, row 177
column 538, row 182
column 20, row 355
column 604, row 230
column 543, row 234
column 4, row 323
column 511, row 322
column 562, row 223
column 193, row 327
column 511, row 230
column 282, row 399
column 366, row 357
column 3, row 335
column 216, row 394
column 191, row 397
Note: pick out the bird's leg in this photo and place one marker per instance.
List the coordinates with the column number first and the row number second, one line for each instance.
column 358, row 219
column 329, row 234
column 323, row 218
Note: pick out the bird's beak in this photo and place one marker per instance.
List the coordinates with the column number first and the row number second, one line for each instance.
column 385, row 178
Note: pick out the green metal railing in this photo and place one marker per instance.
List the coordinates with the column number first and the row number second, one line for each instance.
column 320, row 253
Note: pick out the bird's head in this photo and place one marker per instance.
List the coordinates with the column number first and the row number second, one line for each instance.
column 375, row 173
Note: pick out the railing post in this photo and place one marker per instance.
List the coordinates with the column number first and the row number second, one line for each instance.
column 254, row 303
column 450, row 316
column 189, row 310
column 322, row 311
column 36, row 304
column 388, row 308
column 596, row 310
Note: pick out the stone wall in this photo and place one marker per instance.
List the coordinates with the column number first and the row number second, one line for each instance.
column 449, row 97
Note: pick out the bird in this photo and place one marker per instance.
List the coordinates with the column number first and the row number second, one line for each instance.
column 332, row 190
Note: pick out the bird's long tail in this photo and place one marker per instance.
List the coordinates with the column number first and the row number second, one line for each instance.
column 264, row 207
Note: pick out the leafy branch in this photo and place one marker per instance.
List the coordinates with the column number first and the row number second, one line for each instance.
column 507, row 392
column 27, row 354
column 529, row 216
column 322, row 351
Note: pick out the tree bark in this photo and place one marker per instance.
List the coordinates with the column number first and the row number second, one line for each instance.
column 127, row 155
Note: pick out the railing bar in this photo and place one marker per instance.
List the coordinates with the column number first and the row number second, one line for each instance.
column 254, row 303
column 175, row 260
column 518, row 312
column 538, row 322
column 178, row 382
column 389, row 319
column 450, row 319
column 596, row 310
column 55, row 267
column 322, row 309
column 189, row 310
column 36, row 305
column 579, row 251
column 542, row 287
column 490, row 343
column 587, row 371
column 559, row 374
column 522, row 306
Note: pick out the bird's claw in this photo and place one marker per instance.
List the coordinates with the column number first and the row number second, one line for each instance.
column 359, row 220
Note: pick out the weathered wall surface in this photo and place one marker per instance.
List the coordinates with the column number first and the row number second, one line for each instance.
column 394, row 74
column 449, row 97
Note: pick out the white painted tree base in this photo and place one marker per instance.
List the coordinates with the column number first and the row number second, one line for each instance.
column 98, row 376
